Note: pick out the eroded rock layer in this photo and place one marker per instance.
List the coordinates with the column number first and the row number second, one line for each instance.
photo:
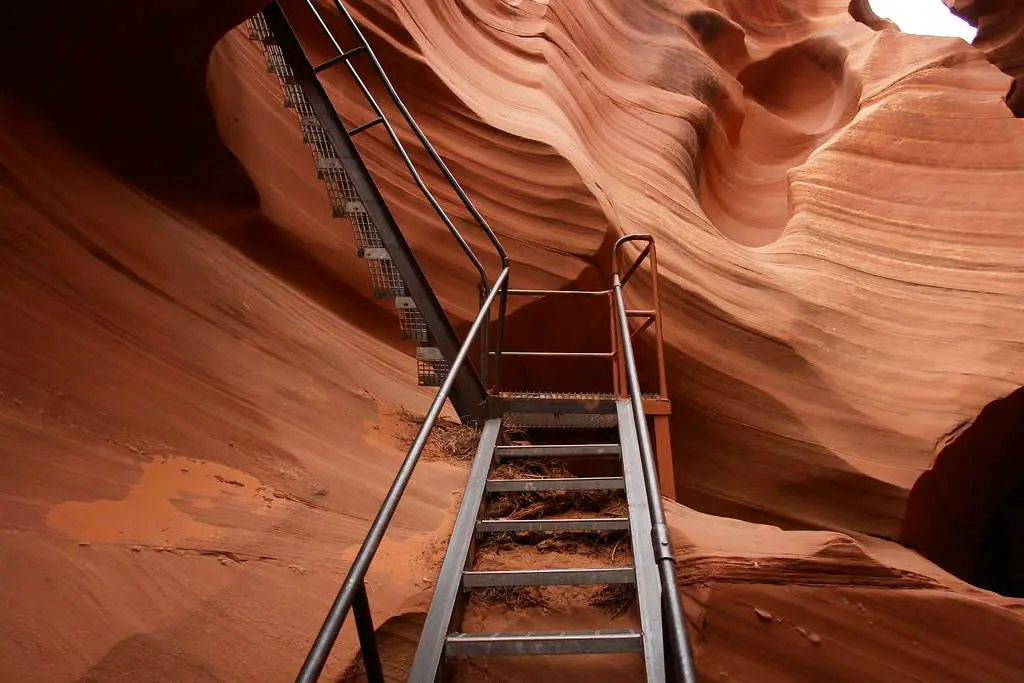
column 831, row 203
column 1000, row 25
column 197, row 397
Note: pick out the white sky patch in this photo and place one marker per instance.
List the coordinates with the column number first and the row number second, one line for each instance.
column 924, row 17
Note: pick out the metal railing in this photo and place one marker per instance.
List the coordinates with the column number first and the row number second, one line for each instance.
column 345, row 57
column 352, row 596
column 650, row 316
column 363, row 48
column 679, row 652
column 353, row 590
column 497, row 353
column 626, row 381
column 614, row 354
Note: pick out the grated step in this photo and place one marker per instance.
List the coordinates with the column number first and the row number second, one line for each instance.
column 569, row 484
column 528, row 420
column 385, row 279
column 426, row 376
column 548, row 577
column 585, row 450
column 411, row 323
column 543, row 643
column 258, row 29
column 554, row 525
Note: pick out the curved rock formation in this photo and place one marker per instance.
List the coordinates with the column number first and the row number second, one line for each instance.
column 862, row 11
column 819, row 606
column 1000, row 25
column 965, row 513
column 195, row 389
column 814, row 374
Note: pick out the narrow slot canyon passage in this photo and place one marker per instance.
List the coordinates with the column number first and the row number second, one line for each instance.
column 999, row 565
column 966, row 514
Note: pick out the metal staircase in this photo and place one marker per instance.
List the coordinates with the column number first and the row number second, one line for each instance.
column 354, row 196
column 444, row 638
column 385, row 280
column 632, row 467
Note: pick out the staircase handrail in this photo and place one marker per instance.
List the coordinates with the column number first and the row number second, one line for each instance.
column 353, row 591
column 364, row 46
column 679, row 652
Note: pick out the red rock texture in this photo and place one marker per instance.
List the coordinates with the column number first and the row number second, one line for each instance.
column 1000, row 25
column 195, row 389
column 835, row 317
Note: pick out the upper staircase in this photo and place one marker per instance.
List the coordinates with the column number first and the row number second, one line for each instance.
column 572, row 448
column 354, row 197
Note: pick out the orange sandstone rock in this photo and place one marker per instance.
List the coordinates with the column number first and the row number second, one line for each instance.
column 843, row 282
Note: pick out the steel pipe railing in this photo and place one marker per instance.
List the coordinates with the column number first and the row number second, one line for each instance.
column 354, row 580
column 466, row 201
column 653, row 315
column 417, row 131
column 680, row 653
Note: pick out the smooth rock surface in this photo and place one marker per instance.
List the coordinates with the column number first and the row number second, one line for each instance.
column 198, row 399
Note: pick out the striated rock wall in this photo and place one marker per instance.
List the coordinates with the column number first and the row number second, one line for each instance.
column 193, row 410
column 188, row 442
column 196, row 395
column 837, row 237
column 1000, row 26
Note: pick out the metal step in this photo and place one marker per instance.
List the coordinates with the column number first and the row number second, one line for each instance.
column 570, row 484
column 427, row 376
column 385, row 280
column 554, row 525
column 543, row 643
column 557, row 410
column 431, row 367
column 529, row 420
column 410, row 321
column 583, row 450
column 548, row 577
column 258, row 29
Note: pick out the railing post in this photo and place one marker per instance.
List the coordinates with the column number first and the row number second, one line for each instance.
column 658, row 338
column 675, row 621
column 367, row 636
column 618, row 386
column 485, row 343
column 500, row 334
